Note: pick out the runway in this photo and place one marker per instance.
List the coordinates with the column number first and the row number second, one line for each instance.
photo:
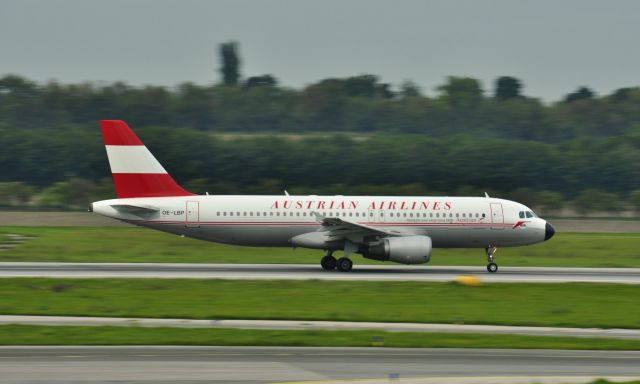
column 275, row 364
column 312, row 271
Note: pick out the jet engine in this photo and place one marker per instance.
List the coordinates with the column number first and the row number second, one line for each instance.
column 403, row 249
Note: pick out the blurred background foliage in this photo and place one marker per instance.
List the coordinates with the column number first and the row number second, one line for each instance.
column 353, row 135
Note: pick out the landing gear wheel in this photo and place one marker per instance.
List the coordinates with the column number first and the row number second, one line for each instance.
column 492, row 267
column 344, row 264
column 328, row 263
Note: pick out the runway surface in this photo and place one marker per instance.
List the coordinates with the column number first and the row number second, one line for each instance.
column 633, row 334
column 310, row 271
column 271, row 364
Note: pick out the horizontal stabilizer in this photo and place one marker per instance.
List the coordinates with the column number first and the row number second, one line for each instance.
column 133, row 209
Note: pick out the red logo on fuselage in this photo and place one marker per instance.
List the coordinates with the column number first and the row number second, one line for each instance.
column 412, row 205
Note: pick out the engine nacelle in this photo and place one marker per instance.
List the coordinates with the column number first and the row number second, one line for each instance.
column 404, row 250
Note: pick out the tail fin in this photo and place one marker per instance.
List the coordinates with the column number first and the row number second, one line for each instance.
column 136, row 173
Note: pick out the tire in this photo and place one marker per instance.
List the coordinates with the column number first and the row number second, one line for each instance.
column 328, row 263
column 344, row 264
column 492, row 267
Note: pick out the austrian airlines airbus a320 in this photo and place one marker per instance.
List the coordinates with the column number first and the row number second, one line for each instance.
column 386, row 228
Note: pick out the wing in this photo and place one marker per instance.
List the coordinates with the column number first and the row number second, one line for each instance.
column 340, row 229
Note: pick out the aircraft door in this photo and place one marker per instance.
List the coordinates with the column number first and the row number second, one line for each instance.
column 497, row 216
column 193, row 214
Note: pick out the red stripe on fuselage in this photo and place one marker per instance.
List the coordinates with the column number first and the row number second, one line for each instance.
column 117, row 132
column 147, row 185
column 312, row 223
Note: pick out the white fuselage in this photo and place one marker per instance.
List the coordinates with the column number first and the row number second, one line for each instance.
column 451, row 222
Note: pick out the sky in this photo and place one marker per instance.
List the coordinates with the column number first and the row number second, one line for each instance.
column 553, row 46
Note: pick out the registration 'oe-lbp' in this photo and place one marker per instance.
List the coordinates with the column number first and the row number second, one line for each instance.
column 386, row 228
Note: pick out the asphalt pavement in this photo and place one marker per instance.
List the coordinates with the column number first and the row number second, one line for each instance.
column 276, row 364
column 312, row 271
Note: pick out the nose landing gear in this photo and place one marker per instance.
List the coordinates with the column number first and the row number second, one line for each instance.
column 491, row 266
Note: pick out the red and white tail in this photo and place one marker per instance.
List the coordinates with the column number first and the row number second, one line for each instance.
column 136, row 173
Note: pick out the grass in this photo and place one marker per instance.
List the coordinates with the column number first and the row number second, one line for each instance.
column 67, row 335
column 562, row 305
column 82, row 244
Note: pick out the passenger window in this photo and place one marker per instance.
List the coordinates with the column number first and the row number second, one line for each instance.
column 224, row 213
column 217, row 213
column 230, row 213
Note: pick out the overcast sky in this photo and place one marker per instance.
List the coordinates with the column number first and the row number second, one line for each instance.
column 554, row 46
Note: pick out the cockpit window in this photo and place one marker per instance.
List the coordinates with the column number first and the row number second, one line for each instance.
column 529, row 214
column 521, row 214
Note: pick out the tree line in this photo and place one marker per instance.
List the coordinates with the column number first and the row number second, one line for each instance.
column 541, row 173
column 360, row 104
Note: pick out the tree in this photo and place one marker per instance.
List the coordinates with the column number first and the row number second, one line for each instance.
column 582, row 93
column 623, row 94
column 230, row 63
column 410, row 89
column 461, row 92
column 15, row 193
column 595, row 200
column 261, row 81
column 634, row 200
column 507, row 87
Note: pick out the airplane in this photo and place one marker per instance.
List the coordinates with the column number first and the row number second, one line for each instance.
column 399, row 229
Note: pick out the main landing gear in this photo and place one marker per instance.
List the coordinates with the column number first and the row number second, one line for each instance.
column 491, row 266
column 329, row 263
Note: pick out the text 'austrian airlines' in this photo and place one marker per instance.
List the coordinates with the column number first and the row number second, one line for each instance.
column 386, row 228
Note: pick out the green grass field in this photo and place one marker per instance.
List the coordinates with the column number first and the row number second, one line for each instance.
column 82, row 244
column 564, row 305
column 64, row 335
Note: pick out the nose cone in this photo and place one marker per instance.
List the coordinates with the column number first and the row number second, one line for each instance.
column 548, row 231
